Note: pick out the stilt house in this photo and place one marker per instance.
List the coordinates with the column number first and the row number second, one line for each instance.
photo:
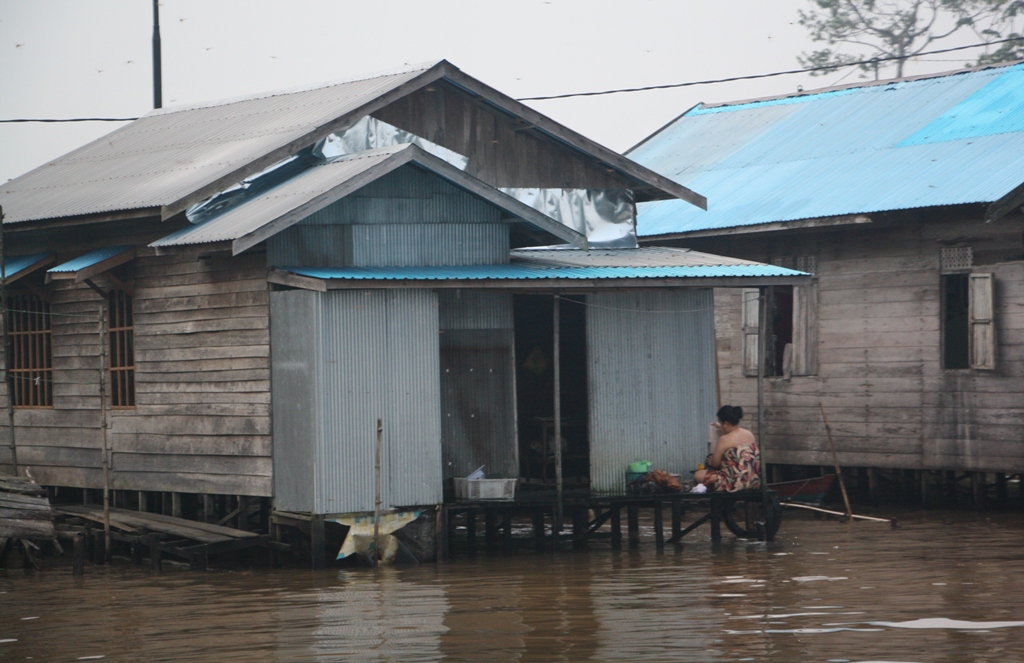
column 904, row 199
column 259, row 281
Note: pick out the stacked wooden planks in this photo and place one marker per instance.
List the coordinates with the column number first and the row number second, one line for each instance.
column 25, row 511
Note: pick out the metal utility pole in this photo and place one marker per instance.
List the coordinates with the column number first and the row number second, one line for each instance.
column 157, row 82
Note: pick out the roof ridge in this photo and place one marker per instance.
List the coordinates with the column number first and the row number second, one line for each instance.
column 298, row 89
column 807, row 94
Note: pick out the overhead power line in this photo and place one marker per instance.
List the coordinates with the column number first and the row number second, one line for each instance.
column 645, row 88
column 769, row 75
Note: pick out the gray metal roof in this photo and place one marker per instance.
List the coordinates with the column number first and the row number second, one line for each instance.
column 319, row 186
column 172, row 158
column 653, row 256
column 169, row 154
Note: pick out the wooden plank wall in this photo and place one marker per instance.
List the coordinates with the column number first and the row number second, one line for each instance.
column 879, row 377
column 202, row 352
column 500, row 153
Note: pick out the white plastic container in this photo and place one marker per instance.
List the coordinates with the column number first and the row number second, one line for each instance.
column 485, row 489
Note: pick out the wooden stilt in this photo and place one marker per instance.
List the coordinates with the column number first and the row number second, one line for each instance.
column 633, row 525
column 951, row 490
column 176, row 505
column 1001, row 490
column 78, row 568
column 318, row 545
column 659, row 530
column 490, row 528
column 677, row 520
column 616, row 526
column 716, row 518
column 538, row 529
column 155, row 556
column 978, row 487
column 243, row 513
column 471, row 532
column 579, row 527
column 506, row 533
column 441, row 534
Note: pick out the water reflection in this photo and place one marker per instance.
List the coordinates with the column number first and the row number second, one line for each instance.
column 931, row 591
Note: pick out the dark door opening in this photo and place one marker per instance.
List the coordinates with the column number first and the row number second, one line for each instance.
column 955, row 321
column 534, row 345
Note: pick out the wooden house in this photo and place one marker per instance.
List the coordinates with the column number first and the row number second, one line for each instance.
column 904, row 200
column 269, row 277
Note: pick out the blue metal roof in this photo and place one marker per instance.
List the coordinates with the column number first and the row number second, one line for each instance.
column 16, row 264
column 89, row 259
column 538, row 272
column 947, row 140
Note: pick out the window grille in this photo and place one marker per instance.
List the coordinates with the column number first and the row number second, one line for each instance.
column 121, row 332
column 960, row 257
column 31, row 355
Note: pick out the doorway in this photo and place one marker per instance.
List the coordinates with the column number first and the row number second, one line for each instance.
column 534, row 346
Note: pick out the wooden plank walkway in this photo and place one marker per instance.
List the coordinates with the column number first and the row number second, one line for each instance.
column 188, row 539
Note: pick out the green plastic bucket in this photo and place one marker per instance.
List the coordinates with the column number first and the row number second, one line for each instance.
column 641, row 466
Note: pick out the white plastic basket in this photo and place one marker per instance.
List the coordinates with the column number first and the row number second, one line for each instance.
column 485, row 489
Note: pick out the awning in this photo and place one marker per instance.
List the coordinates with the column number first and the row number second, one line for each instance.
column 531, row 275
column 92, row 263
column 16, row 267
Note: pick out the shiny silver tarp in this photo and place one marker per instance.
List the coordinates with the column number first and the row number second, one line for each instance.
column 607, row 217
column 367, row 133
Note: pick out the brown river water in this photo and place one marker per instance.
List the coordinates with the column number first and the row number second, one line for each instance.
column 945, row 586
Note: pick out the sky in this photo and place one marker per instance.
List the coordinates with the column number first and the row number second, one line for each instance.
column 92, row 58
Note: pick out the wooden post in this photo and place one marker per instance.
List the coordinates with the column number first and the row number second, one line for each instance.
column 633, row 525
column 579, row 527
column 471, row 531
column 616, row 526
column 506, row 533
column 176, row 505
column 659, row 527
column 716, row 517
column 318, row 546
column 243, row 512
column 441, row 534
column 835, row 461
column 104, row 426
column 762, row 352
column 1001, row 490
column 978, row 486
column 78, row 569
column 538, row 529
column 677, row 520
column 490, row 527
column 376, row 503
column 556, row 321
column 6, row 355
column 155, row 558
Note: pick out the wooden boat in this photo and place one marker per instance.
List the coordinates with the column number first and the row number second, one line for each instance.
column 808, row 491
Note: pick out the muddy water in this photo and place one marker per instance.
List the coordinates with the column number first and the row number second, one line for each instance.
column 944, row 587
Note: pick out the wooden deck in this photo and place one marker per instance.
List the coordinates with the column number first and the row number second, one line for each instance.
column 498, row 517
column 188, row 539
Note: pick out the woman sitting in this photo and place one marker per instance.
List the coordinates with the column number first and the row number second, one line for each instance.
column 736, row 463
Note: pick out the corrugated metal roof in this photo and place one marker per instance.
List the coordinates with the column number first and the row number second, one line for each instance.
column 648, row 256
column 170, row 153
column 947, row 140
column 157, row 162
column 319, row 186
column 89, row 259
column 14, row 265
column 535, row 272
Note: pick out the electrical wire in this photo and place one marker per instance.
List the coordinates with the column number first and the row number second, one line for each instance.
column 645, row 88
column 768, row 75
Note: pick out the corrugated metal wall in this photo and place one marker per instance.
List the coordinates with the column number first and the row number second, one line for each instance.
column 380, row 359
column 294, row 337
column 406, row 218
column 341, row 359
column 652, row 381
column 477, row 384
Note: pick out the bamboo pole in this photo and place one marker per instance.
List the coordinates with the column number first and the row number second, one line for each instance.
column 376, row 505
column 6, row 348
column 835, row 461
column 891, row 521
column 560, row 513
column 104, row 425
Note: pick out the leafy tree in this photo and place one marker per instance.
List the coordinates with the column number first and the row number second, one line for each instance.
column 901, row 29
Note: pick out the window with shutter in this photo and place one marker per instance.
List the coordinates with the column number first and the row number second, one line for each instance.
column 792, row 325
column 750, row 310
column 982, row 344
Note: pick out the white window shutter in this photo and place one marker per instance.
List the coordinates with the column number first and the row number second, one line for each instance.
column 982, row 327
column 751, row 308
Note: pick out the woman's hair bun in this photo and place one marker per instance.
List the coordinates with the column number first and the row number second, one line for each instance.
column 730, row 414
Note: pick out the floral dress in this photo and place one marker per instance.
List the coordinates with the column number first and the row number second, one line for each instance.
column 740, row 470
